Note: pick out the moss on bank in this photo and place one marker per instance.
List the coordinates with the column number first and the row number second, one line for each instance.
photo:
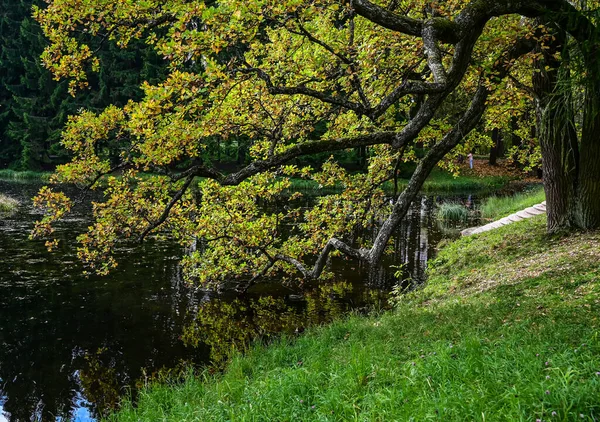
column 507, row 329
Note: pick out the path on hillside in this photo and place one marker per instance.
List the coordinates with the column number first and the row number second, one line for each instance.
column 513, row 218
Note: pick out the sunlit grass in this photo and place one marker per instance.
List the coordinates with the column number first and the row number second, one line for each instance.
column 496, row 207
column 8, row 174
column 505, row 330
column 438, row 181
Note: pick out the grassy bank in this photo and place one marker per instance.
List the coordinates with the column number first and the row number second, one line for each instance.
column 507, row 329
column 7, row 174
column 496, row 207
column 442, row 181
column 8, row 205
column 438, row 181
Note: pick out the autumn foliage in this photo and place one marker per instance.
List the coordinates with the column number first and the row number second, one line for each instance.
column 288, row 79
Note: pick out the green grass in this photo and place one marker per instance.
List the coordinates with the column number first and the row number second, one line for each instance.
column 507, row 329
column 438, row 181
column 496, row 207
column 7, row 205
column 442, row 181
column 7, row 174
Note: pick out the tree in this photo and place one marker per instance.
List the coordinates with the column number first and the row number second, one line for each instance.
column 34, row 108
column 567, row 80
column 272, row 73
column 10, row 18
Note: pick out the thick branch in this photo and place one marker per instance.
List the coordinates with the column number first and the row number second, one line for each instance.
column 467, row 122
column 307, row 148
column 448, row 30
column 465, row 125
column 432, row 51
column 477, row 13
column 330, row 246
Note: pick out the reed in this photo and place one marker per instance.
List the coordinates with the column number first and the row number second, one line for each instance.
column 8, row 205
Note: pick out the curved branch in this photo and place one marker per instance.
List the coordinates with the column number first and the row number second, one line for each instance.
column 155, row 224
column 333, row 244
column 446, row 29
column 467, row 122
column 303, row 90
column 307, row 148
column 476, row 13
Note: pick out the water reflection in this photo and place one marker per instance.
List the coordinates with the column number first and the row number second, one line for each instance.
column 71, row 347
column 227, row 325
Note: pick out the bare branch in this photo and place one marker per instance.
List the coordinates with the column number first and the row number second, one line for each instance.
column 330, row 246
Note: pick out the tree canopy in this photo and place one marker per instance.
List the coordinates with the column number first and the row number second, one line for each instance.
column 286, row 79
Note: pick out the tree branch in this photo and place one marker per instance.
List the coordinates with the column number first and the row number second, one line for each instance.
column 432, row 51
column 168, row 208
column 303, row 90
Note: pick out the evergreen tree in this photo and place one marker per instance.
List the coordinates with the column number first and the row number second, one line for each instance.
column 34, row 107
column 12, row 13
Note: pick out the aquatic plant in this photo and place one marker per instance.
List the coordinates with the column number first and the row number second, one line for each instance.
column 7, row 205
column 453, row 212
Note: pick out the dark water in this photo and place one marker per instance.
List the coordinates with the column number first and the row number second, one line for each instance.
column 71, row 347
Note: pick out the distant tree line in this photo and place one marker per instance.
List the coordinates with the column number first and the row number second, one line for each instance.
column 34, row 107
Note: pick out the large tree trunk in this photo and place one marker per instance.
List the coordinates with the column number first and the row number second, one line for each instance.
column 571, row 168
column 588, row 198
column 558, row 139
column 559, row 164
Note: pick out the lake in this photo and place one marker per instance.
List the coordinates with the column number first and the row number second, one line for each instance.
column 71, row 347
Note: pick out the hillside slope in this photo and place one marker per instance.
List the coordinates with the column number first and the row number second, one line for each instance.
column 506, row 330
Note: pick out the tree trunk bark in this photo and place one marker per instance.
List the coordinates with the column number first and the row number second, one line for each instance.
column 558, row 139
column 497, row 147
column 588, row 198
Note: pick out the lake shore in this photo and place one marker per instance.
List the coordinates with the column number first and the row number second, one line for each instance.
column 439, row 181
column 506, row 329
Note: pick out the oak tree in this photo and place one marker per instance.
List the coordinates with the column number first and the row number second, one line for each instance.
column 288, row 79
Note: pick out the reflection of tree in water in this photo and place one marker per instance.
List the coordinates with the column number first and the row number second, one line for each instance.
column 229, row 326
column 100, row 382
column 67, row 342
